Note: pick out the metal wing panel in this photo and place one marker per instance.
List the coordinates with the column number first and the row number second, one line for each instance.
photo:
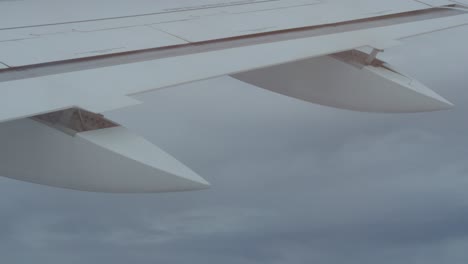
column 274, row 19
column 28, row 97
column 16, row 14
column 436, row 2
column 31, row 33
column 65, row 43
column 462, row 2
column 90, row 89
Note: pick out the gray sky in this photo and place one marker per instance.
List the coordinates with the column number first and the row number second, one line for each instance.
column 292, row 182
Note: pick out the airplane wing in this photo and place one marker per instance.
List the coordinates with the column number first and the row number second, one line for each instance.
column 64, row 64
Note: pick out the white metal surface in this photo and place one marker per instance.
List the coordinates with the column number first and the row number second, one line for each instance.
column 45, row 12
column 328, row 81
column 462, row 2
column 104, row 89
column 55, row 43
column 38, row 34
column 105, row 160
column 326, row 12
column 42, row 12
column 436, row 2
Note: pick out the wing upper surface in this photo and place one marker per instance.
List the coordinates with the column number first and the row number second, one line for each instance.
column 16, row 14
column 108, row 88
column 31, row 32
column 57, row 43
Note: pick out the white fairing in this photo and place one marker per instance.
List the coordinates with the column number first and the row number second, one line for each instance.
column 105, row 160
column 328, row 81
